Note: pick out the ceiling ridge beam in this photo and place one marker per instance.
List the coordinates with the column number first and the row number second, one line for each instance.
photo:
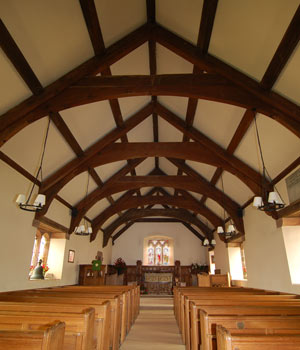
column 151, row 15
column 284, row 51
column 25, row 113
column 283, row 110
column 18, row 60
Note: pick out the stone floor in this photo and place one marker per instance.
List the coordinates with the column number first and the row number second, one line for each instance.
column 155, row 328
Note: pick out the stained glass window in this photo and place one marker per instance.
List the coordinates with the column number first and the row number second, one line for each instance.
column 158, row 252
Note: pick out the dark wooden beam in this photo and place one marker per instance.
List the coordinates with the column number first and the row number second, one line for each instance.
column 195, row 232
column 290, row 210
column 182, row 150
column 98, row 146
column 207, row 21
column 284, row 51
column 187, row 183
column 150, row 11
column 128, row 202
column 92, row 22
column 280, row 109
column 286, row 171
column 66, row 133
column 206, row 86
column 209, row 144
column 23, row 114
column 18, row 60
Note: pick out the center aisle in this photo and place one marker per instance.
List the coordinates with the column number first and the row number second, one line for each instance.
column 155, row 328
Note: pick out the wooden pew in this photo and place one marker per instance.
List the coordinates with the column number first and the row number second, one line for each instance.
column 123, row 305
column 237, row 300
column 74, row 300
column 50, row 339
column 224, row 293
column 227, row 340
column 79, row 328
column 209, row 311
column 102, row 327
column 132, row 293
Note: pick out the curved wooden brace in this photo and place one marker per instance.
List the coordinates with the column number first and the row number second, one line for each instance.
column 185, row 151
column 135, row 201
column 180, row 182
column 134, row 214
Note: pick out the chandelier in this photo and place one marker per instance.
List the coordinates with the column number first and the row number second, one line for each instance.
column 268, row 201
column 231, row 230
column 85, row 229
column 29, row 204
column 207, row 243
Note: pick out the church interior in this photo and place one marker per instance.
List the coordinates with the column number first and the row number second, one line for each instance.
column 150, row 146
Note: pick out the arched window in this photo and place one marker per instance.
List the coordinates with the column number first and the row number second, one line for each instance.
column 40, row 249
column 158, row 252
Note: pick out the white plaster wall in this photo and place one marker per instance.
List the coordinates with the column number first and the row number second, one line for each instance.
column 17, row 238
column 265, row 253
column 187, row 247
column 221, row 256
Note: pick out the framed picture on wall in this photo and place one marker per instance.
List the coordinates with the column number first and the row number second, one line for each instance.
column 71, row 256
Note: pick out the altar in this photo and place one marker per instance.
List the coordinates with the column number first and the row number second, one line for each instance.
column 158, row 283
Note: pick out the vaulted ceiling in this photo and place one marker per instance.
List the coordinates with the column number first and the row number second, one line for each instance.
column 156, row 101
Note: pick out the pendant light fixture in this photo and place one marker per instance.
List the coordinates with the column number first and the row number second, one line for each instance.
column 206, row 241
column 85, row 229
column 40, row 200
column 268, row 201
column 231, row 230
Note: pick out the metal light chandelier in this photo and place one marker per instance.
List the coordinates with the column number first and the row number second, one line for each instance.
column 268, row 201
column 40, row 200
column 206, row 241
column 85, row 229
column 231, row 230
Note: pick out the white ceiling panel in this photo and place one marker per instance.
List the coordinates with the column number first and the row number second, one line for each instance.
column 275, row 140
column 246, row 34
column 142, row 132
column 97, row 208
column 170, row 63
column 177, row 105
column 116, row 196
column 289, row 80
column 75, row 190
column 119, row 18
column 89, row 123
column 131, row 105
column 135, row 63
column 145, row 167
column 15, row 90
column 181, row 17
column 167, row 167
column 51, row 42
column 215, row 207
column 226, row 117
column 110, row 221
column 167, row 132
column 108, row 170
column 207, row 171
column 196, row 195
column 30, row 140
column 234, row 188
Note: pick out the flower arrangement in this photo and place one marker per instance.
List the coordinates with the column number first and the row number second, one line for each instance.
column 120, row 265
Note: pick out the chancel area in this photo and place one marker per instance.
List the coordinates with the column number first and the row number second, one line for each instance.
column 149, row 174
